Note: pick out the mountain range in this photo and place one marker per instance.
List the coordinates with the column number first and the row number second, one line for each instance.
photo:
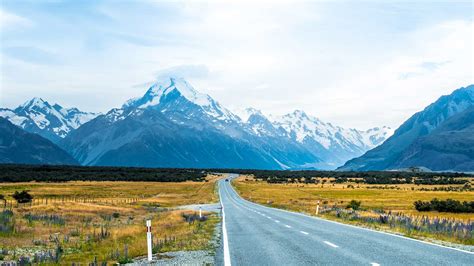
column 174, row 125
column 440, row 138
column 50, row 121
column 19, row 146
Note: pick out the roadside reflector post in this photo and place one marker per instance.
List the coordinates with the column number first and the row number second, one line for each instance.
column 148, row 239
column 200, row 212
column 317, row 208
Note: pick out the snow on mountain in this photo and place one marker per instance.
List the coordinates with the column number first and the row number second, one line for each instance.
column 300, row 126
column 174, row 125
column 19, row 146
column 376, row 136
column 172, row 87
column 332, row 143
column 51, row 121
column 417, row 130
column 246, row 113
column 258, row 124
column 12, row 117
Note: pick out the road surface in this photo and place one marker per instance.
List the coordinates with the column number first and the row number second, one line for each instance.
column 257, row 235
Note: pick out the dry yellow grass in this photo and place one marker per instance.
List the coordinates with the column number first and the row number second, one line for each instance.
column 164, row 193
column 303, row 197
column 120, row 208
column 397, row 199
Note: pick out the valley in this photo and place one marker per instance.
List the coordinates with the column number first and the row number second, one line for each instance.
column 260, row 132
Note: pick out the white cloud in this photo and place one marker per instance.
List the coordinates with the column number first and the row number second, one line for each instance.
column 392, row 91
column 10, row 20
column 357, row 65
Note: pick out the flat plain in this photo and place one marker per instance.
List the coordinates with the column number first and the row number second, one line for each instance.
column 84, row 222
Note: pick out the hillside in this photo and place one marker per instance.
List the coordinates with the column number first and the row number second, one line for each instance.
column 406, row 146
column 19, row 146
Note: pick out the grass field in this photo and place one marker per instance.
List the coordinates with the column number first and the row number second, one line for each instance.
column 103, row 221
column 374, row 200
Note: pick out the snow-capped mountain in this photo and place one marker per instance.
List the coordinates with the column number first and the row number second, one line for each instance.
column 166, row 90
column 18, row 146
column 301, row 126
column 430, row 138
column 50, row 121
column 173, row 125
column 334, row 144
column 257, row 123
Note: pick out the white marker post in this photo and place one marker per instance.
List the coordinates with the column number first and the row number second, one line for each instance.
column 148, row 239
column 317, row 208
column 200, row 213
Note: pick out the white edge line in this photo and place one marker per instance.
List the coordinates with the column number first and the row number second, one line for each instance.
column 374, row 264
column 288, row 226
column 330, row 244
column 303, row 232
column 353, row 226
column 224, row 236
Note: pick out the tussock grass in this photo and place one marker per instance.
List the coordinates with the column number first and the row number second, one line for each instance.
column 105, row 221
column 391, row 198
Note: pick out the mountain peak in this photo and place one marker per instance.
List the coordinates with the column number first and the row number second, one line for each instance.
column 299, row 112
column 248, row 112
column 165, row 86
column 299, row 115
column 35, row 101
column 168, row 93
column 418, row 128
column 50, row 121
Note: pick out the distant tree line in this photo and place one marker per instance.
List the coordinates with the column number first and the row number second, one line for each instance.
column 56, row 173
column 50, row 173
column 368, row 177
column 448, row 205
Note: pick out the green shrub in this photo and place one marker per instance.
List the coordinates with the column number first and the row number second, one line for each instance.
column 448, row 205
column 22, row 197
column 353, row 204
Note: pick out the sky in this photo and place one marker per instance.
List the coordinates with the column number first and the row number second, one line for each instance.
column 356, row 64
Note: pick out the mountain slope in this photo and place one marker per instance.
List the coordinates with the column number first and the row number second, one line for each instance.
column 419, row 125
column 335, row 145
column 173, row 125
column 19, row 146
column 450, row 147
column 50, row 121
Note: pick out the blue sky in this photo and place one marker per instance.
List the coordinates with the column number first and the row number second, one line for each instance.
column 352, row 63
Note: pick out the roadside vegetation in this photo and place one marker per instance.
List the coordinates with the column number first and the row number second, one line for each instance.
column 448, row 205
column 390, row 207
column 98, row 222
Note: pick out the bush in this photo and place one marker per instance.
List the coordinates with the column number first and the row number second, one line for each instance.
column 422, row 206
column 448, row 205
column 22, row 197
column 353, row 204
column 190, row 218
column 124, row 260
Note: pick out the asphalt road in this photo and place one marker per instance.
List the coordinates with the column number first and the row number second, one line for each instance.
column 257, row 235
